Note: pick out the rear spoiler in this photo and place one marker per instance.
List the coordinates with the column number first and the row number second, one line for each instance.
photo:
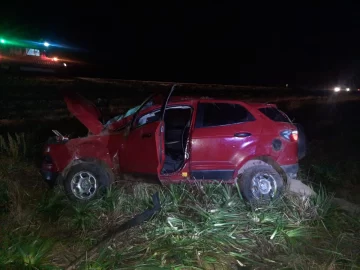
column 262, row 105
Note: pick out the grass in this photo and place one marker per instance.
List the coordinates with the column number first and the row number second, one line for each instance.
column 200, row 227
column 25, row 252
column 13, row 146
column 325, row 164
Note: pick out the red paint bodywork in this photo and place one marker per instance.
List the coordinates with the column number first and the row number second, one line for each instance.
column 131, row 152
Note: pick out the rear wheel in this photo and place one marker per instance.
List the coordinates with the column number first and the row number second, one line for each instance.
column 86, row 181
column 260, row 183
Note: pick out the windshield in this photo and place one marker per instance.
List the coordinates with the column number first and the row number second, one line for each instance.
column 130, row 112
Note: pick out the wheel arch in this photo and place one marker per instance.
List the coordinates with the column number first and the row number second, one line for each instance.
column 261, row 160
column 93, row 160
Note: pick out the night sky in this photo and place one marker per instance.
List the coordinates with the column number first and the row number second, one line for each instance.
column 208, row 42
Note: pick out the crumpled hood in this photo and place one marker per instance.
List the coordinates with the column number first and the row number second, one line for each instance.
column 85, row 111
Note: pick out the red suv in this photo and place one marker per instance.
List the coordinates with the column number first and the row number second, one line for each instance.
column 178, row 139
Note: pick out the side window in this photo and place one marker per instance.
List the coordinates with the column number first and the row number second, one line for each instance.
column 220, row 114
column 148, row 118
column 176, row 118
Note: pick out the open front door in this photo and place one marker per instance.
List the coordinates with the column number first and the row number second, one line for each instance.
column 145, row 147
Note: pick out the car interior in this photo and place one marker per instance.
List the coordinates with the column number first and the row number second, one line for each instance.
column 177, row 126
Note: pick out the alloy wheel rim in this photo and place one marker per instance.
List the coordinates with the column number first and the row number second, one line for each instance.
column 263, row 185
column 84, row 185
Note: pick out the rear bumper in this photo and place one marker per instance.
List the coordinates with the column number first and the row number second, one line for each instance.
column 302, row 142
column 291, row 170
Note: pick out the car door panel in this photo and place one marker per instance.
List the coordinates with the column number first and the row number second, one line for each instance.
column 216, row 151
column 222, row 150
column 141, row 149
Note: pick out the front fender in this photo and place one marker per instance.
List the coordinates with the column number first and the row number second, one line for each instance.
column 89, row 151
column 87, row 160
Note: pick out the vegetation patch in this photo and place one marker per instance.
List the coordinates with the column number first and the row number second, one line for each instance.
column 199, row 227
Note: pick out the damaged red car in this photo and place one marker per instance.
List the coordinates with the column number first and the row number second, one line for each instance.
column 178, row 139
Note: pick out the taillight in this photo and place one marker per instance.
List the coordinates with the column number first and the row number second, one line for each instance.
column 290, row 135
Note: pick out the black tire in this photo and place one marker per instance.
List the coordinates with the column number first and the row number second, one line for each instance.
column 271, row 178
column 88, row 171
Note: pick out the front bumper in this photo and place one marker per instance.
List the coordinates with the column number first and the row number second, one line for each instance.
column 291, row 170
column 50, row 177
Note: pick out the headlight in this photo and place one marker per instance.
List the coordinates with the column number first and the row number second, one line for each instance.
column 348, row 89
column 337, row 89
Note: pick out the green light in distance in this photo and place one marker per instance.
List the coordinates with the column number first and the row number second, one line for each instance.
column 2, row 41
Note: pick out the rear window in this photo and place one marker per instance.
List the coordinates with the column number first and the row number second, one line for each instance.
column 274, row 114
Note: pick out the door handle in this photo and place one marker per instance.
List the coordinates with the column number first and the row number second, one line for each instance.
column 146, row 135
column 242, row 134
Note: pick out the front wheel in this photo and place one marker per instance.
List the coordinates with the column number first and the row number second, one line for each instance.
column 260, row 183
column 86, row 181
